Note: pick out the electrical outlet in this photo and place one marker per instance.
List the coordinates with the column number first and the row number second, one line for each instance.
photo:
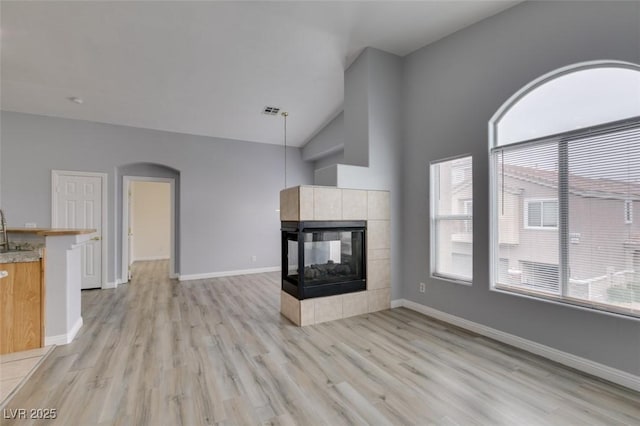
column 254, row 258
column 422, row 287
column 30, row 225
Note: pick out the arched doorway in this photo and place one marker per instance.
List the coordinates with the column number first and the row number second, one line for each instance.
column 144, row 172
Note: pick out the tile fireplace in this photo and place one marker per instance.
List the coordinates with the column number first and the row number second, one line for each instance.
column 336, row 253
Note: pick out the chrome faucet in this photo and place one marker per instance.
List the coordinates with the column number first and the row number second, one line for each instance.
column 4, row 244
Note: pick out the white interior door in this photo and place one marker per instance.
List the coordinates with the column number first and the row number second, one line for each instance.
column 78, row 204
column 130, row 231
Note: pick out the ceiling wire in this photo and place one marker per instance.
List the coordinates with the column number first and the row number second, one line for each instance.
column 285, row 115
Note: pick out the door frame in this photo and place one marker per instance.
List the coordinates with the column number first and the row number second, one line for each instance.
column 55, row 174
column 126, row 186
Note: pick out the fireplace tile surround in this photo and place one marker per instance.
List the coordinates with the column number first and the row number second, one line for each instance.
column 304, row 203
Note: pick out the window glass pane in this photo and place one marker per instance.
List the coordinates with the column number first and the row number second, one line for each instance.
column 563, row 104
column 604, row 251
column 534, row 213
column 597, row 177
column 452, row 210
column 540, row 277
column 453, row 250
column 527, row 252
column 550, row 213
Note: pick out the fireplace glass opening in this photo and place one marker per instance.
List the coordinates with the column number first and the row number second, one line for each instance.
column 323, row 258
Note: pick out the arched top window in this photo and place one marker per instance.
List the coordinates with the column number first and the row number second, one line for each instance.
column 575, row 97
column 565, row 181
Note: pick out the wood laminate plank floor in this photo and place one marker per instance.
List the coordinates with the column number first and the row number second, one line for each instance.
column 160, row 352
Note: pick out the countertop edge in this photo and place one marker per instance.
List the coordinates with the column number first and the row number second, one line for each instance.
column 50, row 231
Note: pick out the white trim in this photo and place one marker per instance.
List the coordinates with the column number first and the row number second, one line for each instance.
column 452, row 278
column 434, row 218
column 532, row 85
column 148, row 258
column 55, row 174
column 602, row 371
column 397, row 303
column 564, row 303
column 64, row 339
column 204, row 276
column 112, row 284
column 124, row 258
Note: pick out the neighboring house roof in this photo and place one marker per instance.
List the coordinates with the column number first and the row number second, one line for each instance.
column 579, row 185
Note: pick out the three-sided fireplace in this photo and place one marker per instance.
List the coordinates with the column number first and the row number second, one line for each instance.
column 323, row 258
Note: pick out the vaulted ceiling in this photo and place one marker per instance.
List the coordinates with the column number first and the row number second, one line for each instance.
column 206, row 68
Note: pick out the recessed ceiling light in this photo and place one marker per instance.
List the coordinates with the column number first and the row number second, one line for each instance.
column 76, row 100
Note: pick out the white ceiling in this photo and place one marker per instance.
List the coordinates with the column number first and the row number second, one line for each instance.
column 207, row 68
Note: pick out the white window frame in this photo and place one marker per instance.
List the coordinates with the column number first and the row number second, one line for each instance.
column 494, row 212
column 468, row 209
column 628, row 212
column 528, row 201
column 433, row 219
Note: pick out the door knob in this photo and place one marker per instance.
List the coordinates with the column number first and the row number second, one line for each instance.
column 95, row 239
column 4, row 274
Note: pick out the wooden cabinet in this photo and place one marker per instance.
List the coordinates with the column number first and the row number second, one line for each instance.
column 21, row 307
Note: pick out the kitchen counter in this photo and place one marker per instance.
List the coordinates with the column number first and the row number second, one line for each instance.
column 45, row 232
column 62, row 276
column 20, row 256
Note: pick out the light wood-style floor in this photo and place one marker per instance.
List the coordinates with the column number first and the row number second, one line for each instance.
column 159, row 352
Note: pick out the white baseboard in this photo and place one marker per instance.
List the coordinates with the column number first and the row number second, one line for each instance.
column 64, row 339
column 590, row 367
column 189, row 277
column 149, row 258
column 398, row 303
column 113, row 284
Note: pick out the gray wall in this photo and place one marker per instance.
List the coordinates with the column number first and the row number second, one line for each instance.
column 377, row 116
column 356, row 111
column 452, row 88
column 229, row 189
column 328, row 141
column 330, row 160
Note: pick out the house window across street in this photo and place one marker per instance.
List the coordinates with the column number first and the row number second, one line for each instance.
column 541, row 214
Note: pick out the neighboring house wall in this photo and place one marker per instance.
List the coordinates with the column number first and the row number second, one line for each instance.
column 600, row 237
column 150, row 220
column 452, row 88
column 598, row 232
column 229, row 189
column 533, row 245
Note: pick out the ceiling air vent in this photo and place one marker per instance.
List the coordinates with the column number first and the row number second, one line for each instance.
column 271, row 110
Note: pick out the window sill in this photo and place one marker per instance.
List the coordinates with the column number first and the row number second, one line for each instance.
column 452, row 279
column 565, row 303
